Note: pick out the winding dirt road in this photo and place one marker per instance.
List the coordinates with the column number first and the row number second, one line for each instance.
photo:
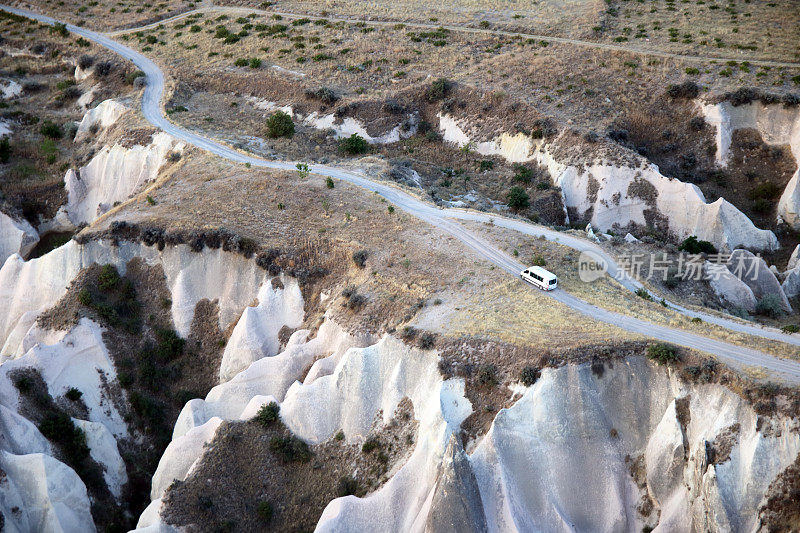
column 736, row 356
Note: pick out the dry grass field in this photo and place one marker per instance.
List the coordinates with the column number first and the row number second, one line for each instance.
column 276, row 58
column 107, row 14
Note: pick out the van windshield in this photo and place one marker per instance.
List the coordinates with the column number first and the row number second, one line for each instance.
column 552, row 282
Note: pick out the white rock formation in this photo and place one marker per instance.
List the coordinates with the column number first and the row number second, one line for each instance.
column 778, row 125
column 755, row 273
column 39, row 493
column 268, row 377
column 17, row 236
column 621, row 195
column 732, row 292
column 556, row 459
column 212, row 274
column 794, row 259
column 113, row 175
column 181, row 455
column 791, row 283
column 256, row 333
column 105, row 114
column 79, row 360
column 103, row 449
column 10, row 88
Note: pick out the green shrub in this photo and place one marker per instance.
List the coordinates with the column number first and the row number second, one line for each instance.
column 487, row 375
column 268, row 414
column 57, row 426
column 280, row 124
column 60, row 29
column 255, row 62
column 85, row 297
column 437, row 90
column 693, row 246
column 5, row 150
column 339, row 436
column 522, row 173
column 108, row 278
column 241, row 62
column 131, row 77
column 347, row 486
column 529, row 375
column 485, row 165
column 329, row 182
column 73, row 394
column 641, row 292
column 51, row 130
column 517, row 198
column 770, row 305
column 360, row 258
column 24, row 384
column 290, row 449
column 662, row 353
column 790, row 328
column 265, row 511
column 354, row 145
column 170, row 345
column 538, row 260
column 370, row 445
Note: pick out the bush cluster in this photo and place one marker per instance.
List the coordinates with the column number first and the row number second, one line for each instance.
column 354, row 145
column 694, row 246
column 280, row 124
column 268, row 414
column 290, row 449
column 663, row 353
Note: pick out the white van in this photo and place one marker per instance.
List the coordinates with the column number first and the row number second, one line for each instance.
column 540, row 277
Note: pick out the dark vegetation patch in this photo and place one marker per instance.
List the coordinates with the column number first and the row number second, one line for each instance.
column 781, row 512
column 70, row 444
column 157, row 371
column 263, row 478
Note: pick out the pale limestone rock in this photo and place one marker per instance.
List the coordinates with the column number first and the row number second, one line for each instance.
column 732, row 292
column 17, row 236
column 755, row 273
column 604, row 189
column 256, row 333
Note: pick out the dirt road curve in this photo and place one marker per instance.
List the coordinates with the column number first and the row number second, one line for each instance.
column 737, row 356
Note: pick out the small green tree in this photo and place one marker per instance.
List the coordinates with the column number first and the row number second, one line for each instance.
column 5, row 150
column 329, row 182
column 354, row 145
column 302, row 170
column 518, row 199
column 268, row 414
column 693, row 246
column 662, row 353
column 770, row 305
column 280, row 124
column 437, row 90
